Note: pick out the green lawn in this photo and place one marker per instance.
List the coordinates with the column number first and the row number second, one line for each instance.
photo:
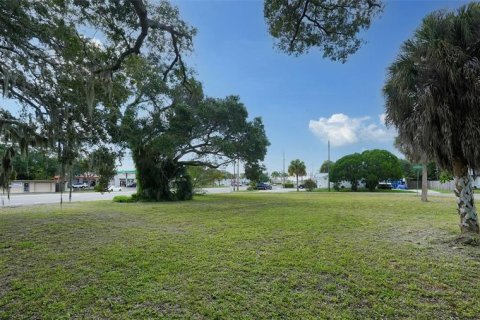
column 244, row 256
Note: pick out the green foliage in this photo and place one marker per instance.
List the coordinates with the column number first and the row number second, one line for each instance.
column 276, row 175
column 371, row 165
column 252, row 185
column 348, row 168
column 379, row 165
column 264, row 177
column 410, row 173
column 36, row 165
column 204, row 176
column 432, row 93
column 84, row 86
column 326, row 165
column 407, row 169
column 124, row 199
column 7, row 173
column 331, row 27
column 103, row 162
column 185, row 134
column 136, row 77
column 445, row 176
column 288, row 185
column 184, row 188
column 17, row 138
column 310, row 184
column 254, row 172
column 297, row 168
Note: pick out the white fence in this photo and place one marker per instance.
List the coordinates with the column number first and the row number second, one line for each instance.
column 450, row 185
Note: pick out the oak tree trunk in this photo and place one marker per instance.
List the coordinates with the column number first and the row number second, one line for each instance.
column 156, row 178
column 465, row 202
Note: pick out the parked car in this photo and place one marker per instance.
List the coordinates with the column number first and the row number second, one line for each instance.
column 301, row 186
column 132, row 185
column 79, row 185
column 384, row 185
column 113, row 188
column 263, row 186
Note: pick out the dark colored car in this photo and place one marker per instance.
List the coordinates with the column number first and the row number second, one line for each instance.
column 301, row 186
column 132, row 185
column 263, row 186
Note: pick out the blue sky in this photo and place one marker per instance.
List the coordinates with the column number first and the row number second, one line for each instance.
column 297, row 96
column 304, row 100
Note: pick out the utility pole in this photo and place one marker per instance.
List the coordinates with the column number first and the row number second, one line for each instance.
column 328, row 166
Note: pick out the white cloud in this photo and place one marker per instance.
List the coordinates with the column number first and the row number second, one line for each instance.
column 342, row 130
column 382, row 118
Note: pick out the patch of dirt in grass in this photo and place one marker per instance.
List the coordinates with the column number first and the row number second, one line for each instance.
column 438, row 242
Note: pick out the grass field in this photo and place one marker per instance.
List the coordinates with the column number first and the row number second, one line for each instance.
column 244, row 256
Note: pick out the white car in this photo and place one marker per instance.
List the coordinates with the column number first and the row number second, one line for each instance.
column 79, row 185
column 113, row 188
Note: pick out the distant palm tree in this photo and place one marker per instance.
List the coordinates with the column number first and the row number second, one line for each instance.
column 297, row 168
column 276, row 175
column 433, row 98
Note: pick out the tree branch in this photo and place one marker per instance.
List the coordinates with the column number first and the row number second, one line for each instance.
column 299, row 22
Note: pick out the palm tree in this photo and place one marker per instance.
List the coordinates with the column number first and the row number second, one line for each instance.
column 297, row 168
column 432, row 98
column 276, row 175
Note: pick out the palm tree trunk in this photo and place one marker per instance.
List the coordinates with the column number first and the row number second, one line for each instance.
column 465, row 202
column 297, row 182
column 424, row 182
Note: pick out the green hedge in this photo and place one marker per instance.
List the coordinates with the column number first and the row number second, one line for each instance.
column 126, row 199
column 310, row 184
column 288, row 185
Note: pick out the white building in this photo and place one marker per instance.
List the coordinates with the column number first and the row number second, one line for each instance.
column 124, row 178
column 32, row 186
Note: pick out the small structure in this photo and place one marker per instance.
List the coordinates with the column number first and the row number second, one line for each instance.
column 124, row 178
column 32, row 186
column 91, row 179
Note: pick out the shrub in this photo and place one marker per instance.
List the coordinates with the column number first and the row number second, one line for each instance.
column 288, row 185
column 252, row 186
column 310, row 184
column 124, row 199
column 184, row 188
column 336, row 186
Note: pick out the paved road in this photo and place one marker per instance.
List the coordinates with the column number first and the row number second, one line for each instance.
column 46, row 198
column 51, row 198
